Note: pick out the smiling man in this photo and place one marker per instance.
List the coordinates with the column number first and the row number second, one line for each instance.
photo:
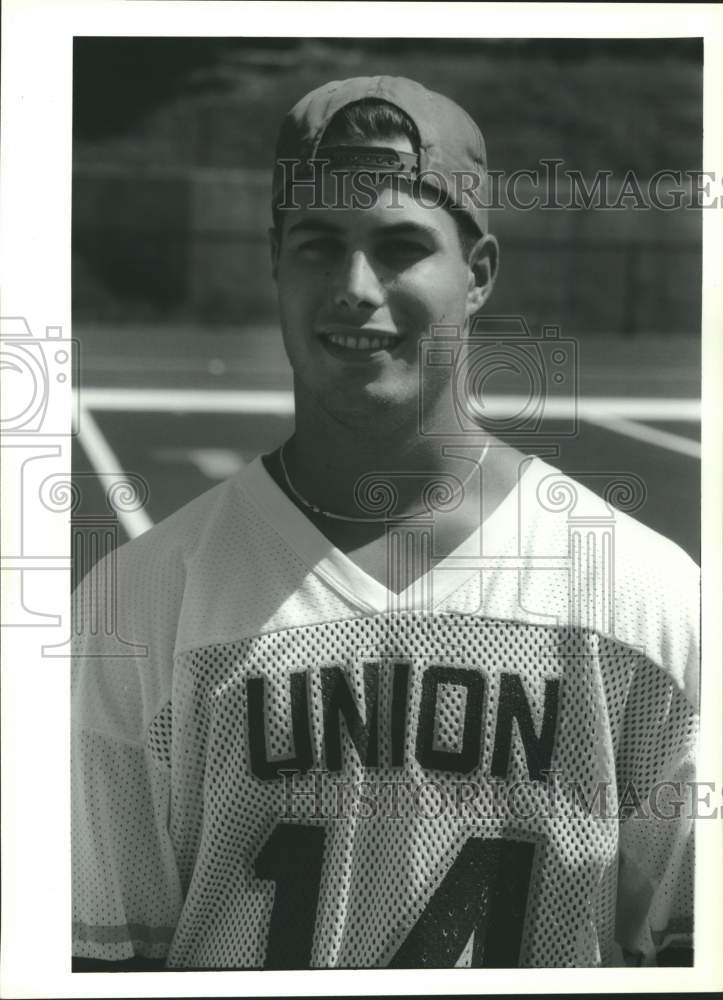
column 369, row 261
column 379, row 699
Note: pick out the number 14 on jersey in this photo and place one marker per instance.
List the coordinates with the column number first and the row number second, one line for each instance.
column 483, row 893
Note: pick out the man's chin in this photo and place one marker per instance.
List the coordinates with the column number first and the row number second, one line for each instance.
column 377, row 407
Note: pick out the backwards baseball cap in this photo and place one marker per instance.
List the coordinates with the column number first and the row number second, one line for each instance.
column 451, row 161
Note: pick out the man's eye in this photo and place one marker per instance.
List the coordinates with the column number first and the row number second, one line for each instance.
column 320, row 244
column 404, row 249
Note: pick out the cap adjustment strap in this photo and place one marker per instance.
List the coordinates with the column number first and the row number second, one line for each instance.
column 375, row 159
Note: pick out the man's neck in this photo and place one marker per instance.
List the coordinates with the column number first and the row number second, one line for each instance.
column 327, row 458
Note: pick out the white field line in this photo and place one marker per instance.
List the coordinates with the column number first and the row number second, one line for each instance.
column 107, row 467
column 612, row 413
column 652, row 435
column 281, row 402
column 277, row 401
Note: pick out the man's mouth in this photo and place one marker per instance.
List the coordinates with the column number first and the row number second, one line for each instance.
column 360, row 340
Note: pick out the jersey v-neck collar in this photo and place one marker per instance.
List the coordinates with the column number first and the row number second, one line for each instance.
column 345, row 576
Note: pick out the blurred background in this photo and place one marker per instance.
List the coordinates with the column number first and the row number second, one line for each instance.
column 173, row 145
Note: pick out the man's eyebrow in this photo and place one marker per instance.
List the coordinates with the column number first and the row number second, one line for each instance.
column 315, row 225
column 411, row 228
column 394, row 229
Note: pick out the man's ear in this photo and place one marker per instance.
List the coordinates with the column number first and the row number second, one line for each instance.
column 274, row 245
column 483, row 266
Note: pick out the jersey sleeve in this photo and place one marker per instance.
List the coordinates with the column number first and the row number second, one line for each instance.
column 126, row 891
column 655, row 775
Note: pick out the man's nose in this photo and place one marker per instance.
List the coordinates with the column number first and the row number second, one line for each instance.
column 357, row 285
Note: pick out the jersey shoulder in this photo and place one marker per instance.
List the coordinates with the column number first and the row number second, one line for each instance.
column 638, row 586
column 126, row 614
column 171, row 544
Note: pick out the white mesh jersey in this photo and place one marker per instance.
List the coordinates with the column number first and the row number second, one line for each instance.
column 279, row 763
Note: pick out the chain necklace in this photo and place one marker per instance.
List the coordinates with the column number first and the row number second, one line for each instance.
column 368, row 520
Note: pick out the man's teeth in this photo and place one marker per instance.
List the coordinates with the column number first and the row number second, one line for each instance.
column 362, row 343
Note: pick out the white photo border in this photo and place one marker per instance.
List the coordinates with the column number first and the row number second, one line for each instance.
column 35, row 208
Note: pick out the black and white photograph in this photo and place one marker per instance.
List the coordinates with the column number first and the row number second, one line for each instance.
column 382, row 512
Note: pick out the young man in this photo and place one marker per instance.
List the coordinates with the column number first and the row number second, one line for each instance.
column 380, row 699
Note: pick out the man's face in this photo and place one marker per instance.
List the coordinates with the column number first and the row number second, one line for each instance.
column 358, row 288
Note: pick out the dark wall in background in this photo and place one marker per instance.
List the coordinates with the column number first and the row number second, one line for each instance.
column 614, row 103
column 173, row 140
